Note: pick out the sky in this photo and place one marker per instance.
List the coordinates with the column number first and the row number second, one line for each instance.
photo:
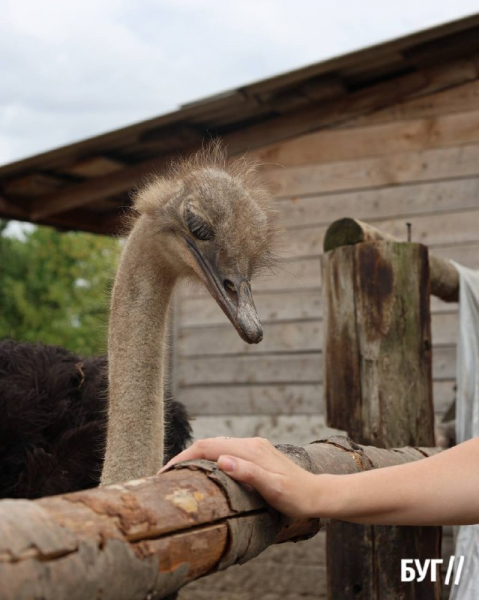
column 70, row 70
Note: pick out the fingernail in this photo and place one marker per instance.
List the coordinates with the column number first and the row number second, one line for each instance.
column 226, row 463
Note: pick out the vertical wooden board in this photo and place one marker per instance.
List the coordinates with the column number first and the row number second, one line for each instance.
column 364, row 562
column 394, row 339
column 347, row 577
column 342, row 386
column 395, row 543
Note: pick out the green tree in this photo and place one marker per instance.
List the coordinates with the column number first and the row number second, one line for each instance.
column 54, row 287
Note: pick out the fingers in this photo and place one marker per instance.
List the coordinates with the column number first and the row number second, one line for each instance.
column 208, row 449
column 268, row 484
column 287, row 493
column 257, row 449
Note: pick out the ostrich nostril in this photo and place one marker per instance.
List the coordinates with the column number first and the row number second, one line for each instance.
column 230, row 289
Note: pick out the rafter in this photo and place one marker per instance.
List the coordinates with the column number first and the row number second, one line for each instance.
column 11, row 210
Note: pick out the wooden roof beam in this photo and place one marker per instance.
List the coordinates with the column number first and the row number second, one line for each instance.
column 110, row 223
column 33, row 184
column 97, row 188
column 454, row 46
column 9, row 210
column 95, row 166
column 178, row 136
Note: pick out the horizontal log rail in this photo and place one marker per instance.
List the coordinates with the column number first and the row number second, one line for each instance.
column 444, row 278
column 148, row 538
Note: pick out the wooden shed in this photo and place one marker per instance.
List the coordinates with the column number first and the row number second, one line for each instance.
column 389, row 135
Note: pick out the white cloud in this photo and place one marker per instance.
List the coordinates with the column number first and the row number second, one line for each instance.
column 73, row 69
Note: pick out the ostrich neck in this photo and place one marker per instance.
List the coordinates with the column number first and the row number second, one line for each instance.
column 136, row 341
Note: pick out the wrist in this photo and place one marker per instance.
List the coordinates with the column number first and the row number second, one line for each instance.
column 329, row 496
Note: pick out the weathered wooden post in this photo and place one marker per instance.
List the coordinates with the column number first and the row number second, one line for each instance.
column 378, row 388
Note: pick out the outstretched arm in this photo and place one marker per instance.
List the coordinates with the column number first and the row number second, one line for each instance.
column 440, row 490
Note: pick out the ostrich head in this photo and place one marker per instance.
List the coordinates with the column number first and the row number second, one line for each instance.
column 215, row 222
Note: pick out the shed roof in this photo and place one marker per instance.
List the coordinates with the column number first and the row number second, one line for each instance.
column 85, row 185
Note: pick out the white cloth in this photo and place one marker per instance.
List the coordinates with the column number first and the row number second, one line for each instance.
column 467, row 419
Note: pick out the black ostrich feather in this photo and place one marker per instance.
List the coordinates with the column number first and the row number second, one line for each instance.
column 53, row 416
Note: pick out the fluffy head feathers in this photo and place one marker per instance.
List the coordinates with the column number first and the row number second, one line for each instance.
column 222, row 199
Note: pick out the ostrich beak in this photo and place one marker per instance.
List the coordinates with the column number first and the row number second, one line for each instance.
column 233, row 294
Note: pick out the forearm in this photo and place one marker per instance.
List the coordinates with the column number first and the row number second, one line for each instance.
column 440, row 490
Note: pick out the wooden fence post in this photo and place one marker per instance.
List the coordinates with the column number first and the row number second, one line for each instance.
column 378, row 388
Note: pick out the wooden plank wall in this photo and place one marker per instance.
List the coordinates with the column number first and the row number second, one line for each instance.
column 415, row 162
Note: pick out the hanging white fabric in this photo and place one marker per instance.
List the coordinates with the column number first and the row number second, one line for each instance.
column 467, row 420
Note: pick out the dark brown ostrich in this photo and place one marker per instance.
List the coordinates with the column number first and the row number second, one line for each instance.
column 53, row 416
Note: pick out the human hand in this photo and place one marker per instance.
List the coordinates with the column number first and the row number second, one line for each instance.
column 256, row 462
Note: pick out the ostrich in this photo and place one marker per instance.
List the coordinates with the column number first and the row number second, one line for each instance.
column 207, row 220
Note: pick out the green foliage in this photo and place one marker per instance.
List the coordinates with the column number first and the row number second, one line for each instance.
column 54, row 288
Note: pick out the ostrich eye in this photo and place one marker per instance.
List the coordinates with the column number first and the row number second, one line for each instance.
column 198, row 226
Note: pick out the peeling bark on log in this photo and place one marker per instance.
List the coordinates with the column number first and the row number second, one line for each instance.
column 444, row 278
column 148, row 538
